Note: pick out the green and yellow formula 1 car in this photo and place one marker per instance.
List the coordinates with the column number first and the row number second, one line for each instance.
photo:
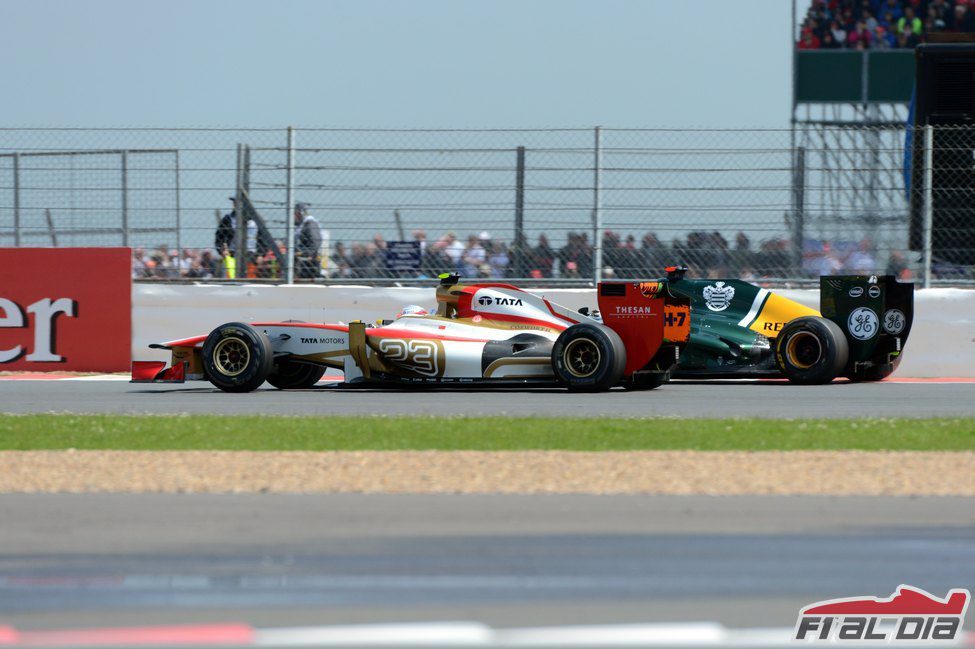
column 740, row 330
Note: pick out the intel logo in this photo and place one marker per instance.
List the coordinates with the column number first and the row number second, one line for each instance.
column 856, row 291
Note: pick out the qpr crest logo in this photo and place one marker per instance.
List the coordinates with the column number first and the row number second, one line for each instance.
column 719, row 296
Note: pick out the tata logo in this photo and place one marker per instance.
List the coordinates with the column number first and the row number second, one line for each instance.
column 485, row 300
column 322, row 341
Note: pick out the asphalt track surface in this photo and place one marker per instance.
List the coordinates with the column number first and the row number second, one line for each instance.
column 677, row 399
column 508, row 561
column 277, row 560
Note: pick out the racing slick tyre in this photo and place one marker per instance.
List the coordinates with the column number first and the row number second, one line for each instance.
column 647, row 381
column 237, row 357
column 811, row 350
column 289, row 375
column 588, row 357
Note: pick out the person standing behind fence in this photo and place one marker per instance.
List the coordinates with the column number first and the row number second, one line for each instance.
column 225, row 237
column 225, row 241
column 308, row 243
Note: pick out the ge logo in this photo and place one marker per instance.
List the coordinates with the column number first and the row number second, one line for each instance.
column 894, row 321
column 863, row 323
column 484, row 300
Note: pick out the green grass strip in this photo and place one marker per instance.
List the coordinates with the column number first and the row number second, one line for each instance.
column 256, row 433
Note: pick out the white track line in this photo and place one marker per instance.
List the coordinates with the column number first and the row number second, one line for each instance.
column 474, row 634
column 445, row 634
column 100, row 377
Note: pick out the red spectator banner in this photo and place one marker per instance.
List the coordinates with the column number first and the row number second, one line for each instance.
column 65, row 309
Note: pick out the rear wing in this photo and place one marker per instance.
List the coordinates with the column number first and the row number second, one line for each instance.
column 652, row 322
column 875, row 312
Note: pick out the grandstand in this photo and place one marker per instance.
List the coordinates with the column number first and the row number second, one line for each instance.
column 881, row 24
column 853, row 79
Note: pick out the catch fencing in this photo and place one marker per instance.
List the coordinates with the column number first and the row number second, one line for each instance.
column 552, row 206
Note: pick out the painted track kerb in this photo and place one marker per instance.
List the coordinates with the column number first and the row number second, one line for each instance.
column 444, row 634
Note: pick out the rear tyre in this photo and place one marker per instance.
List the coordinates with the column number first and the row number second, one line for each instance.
column 588, row 357
column 291, row 375
column 811, row 350
column 237, row 357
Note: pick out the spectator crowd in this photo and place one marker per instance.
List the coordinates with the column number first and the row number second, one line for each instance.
column 481, row 256
column 881, row 24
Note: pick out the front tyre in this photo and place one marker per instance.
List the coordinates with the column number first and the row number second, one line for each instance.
column 237, row 357
column 291, row 375
column 811, row 350
column 588, row 357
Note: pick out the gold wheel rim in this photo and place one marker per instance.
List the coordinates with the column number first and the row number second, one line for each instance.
column 231, row 356
column 793, row 349
column 581, row 357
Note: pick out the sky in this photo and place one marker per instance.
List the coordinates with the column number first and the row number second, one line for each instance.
column 380, row 63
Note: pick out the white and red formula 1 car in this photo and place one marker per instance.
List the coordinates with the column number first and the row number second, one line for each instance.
column 486, row 334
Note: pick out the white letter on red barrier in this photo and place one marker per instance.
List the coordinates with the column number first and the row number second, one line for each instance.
column 45, row 312
column 11, row 316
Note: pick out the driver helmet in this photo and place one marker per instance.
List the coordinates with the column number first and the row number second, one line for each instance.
column 412, row 309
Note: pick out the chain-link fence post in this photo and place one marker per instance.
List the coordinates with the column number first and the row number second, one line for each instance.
column 17, row 199
column 799, row 206
column 245, row 175
column 240, row 254
column 928, row 202
column 179, row 225
column 50, row 228
column 519, row 247
column 289, row 237
column 125, row 199
column 597, row 214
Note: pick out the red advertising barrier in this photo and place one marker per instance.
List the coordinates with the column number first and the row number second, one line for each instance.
column 65, row 309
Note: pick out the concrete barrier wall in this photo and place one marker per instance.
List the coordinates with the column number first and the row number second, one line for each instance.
column 942, row 342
